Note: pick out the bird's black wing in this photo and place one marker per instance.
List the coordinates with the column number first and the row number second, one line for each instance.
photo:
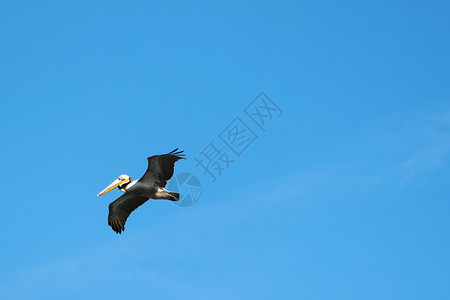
column 160, row 167
column 120, row 209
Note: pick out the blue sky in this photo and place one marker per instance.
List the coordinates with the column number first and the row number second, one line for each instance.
column 344, row 196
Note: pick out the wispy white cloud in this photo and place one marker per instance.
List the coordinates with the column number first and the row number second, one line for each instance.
column 431, row 146
column 134, row 259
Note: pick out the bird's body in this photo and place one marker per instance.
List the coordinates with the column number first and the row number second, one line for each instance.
column 137, row 192
column 139, row 188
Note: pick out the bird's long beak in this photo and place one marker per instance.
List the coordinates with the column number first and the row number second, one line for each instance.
column 110, row 187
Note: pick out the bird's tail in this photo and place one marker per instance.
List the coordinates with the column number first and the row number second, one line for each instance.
column 174, row 196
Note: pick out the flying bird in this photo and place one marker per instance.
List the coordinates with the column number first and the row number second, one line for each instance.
column 137, row 192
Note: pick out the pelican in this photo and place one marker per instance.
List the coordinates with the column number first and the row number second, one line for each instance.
column 137, row 192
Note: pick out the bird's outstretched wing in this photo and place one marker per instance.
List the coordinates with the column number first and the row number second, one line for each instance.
column 160, row 167
column 120, row 209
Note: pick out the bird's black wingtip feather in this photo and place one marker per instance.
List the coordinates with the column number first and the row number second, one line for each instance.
column 115, row 225
column 178, row 153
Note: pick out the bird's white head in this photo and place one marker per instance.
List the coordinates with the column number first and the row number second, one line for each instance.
column 122, row 179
